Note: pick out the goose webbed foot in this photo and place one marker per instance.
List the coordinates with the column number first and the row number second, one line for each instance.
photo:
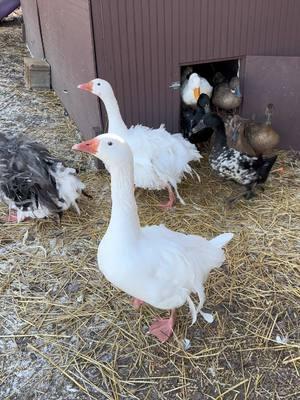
column 136, row 303
column 162, row 329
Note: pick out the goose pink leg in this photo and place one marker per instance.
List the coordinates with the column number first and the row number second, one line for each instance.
column 137, row 303
column 163, row 328
column 10, row 218
column 171, row 201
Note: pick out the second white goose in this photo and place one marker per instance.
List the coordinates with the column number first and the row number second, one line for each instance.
column 161, row 159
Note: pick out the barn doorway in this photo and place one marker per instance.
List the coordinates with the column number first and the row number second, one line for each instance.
column 228, row 68
column 214, row 72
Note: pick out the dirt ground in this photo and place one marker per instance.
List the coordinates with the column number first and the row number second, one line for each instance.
column 66, row 334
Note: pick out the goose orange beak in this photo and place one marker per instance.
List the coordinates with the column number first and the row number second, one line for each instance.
column 86, row 86
column 197, row 93
column 88, row 146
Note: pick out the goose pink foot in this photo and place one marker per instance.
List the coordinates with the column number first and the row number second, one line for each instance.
column 137, row 303
column 10, row 218
column 163, row 328
column 171, row 200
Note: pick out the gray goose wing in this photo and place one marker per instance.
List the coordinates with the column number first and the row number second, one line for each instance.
column 25, row 174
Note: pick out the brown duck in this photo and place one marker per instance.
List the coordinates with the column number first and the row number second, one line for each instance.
column 252, row 137
column 227, row 96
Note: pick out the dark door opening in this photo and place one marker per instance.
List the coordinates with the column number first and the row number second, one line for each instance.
column 228, row 68
column 214, row 73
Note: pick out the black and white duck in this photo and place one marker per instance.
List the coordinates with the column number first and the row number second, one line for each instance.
column 233, row 164
column 197, row 134
column 33, row 183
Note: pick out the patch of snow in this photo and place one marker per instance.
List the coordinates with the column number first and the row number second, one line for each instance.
column 80, row 298
column 281, row 339
column 6, row 249
column 7, row 266
column 52, row 243
column 106, row 357
column 64, row 300
column 25, row 237
column 208, row 317
column 71, row 389
column 186, row 344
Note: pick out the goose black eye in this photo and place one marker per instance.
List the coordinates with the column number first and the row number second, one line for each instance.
column 109, row 143
column 99, row 84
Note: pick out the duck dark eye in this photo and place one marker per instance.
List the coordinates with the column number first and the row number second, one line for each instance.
column 99, row 84
column 109, row 143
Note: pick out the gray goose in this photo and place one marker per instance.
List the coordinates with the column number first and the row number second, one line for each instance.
column 33, row 183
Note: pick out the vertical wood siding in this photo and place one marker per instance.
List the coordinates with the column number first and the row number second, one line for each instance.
column 32, row 28
column 68, row 43
column 141, row 44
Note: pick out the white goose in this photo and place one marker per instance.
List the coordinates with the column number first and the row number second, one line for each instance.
column 153, row 264
column 192, row 87
column 33, row 183
column 160, row 158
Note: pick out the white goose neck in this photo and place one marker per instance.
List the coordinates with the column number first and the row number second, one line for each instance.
column 115, row 122
column 124, row 221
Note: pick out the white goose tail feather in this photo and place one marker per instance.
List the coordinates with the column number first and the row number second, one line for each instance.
column 221, row 240
column 192, row 310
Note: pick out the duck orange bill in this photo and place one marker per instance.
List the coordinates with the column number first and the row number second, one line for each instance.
column 89, row 146
column 86, row 86
column 197, row 93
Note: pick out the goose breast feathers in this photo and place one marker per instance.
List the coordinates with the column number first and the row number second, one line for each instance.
column 159, row 157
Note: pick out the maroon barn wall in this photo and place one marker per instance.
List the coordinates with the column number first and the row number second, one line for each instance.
column 141, row 44
column 68, row 46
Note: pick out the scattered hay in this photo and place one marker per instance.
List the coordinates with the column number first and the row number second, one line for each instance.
column 66, row 333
